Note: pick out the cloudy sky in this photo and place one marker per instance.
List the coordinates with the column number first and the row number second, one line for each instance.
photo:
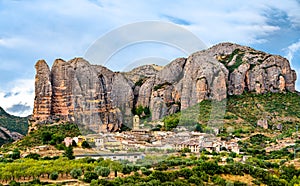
column 45, row 29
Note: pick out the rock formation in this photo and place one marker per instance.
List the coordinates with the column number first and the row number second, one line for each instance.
column 76, row 91
column 5, row 134
column 102, row 100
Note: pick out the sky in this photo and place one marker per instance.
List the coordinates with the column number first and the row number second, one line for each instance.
column 45, row 29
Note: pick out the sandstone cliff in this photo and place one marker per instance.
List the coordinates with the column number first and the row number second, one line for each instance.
column 102, row 100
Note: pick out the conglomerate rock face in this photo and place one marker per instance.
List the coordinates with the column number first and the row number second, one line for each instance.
column 102, row 100
column 76, row 91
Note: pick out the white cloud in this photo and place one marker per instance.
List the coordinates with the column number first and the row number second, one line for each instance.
column 65, row 29
column 18, row 92
column 14, row 42
column 291, row 50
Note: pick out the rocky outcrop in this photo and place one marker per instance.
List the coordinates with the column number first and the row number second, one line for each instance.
column 43, row 91
column 102, row 100
column 143, row 72
column 5, row 134
column 82, row 93
column 254, row 71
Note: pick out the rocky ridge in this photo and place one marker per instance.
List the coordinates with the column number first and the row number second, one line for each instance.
column 102, row 100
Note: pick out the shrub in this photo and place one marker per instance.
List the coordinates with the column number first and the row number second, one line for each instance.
column 89, row 176
column 127, row 169
column 94, row 183
column 146, row 171
column 85, row 144
column 186, row 150
column 46, row 137
column 16, row 154
column 60, row 147
column 54, row 175
column 34, row 156
column 102, row 171
column 229, row 160
column 139, row 82
column 194, row 179
column 75, row 173
column 69, row 153
column 218, row 180
column 35, row 181
column 14, row 183
column 185, row 172
column 171, row 121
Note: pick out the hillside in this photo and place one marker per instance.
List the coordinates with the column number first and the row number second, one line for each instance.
column 280, row 111
column 11, row 127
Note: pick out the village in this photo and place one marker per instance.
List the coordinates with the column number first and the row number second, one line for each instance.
column 140, row 140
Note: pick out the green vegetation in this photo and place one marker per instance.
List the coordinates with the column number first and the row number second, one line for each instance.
column 142, row 112
column 259, row 139
column 243, row 112
column 153, row 170
column 140, row 82
column 102, row 171
column 235, row 52
column 16, row 154
column 238, row 62
column 13, row 124
column 171, row 121
column 277, row 107
column 89, row 176
column 239, row 54
column 76, row 173
column 69, row 153
column 48, row 134
column 85, row 145
column 54, row 175
column 159, row 86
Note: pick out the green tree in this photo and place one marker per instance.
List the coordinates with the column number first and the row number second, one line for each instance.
column 146, row 171
column 54, row 175
column 127, row 169
column 14, row 183
column 147, row 111
column 69, row 153
column 115, row 166
column 139, row 110
column 185, row 172
column 171, row 122
column 46, row 137
column 16, row 154
column 186, row 150
column 76, row 172
column 89, row 176
column 85, row 144
column 218, row 180
column 198, row 128
column 102, row 171
column 34, row 156
column 195, row 180
column 229, row 160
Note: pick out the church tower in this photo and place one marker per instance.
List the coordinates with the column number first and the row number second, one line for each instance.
column 136, row 122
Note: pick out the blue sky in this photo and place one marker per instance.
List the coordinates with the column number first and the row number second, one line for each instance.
column 45, row 29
